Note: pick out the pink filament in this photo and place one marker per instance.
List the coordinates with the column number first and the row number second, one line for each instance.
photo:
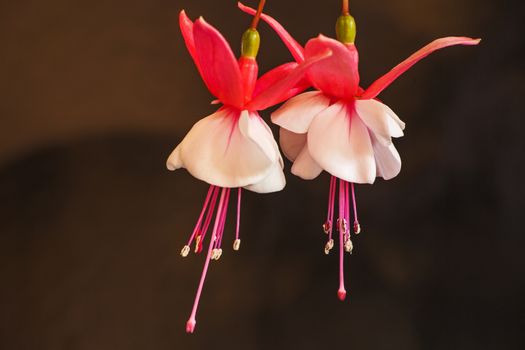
column 190, row 324
column 331, row 204
column 238, row 213
column 347, row 204
column 207, row 221
column 356, row 221
column 224, row 210
column 204, row 207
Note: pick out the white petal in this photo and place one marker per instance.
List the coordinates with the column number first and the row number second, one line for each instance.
column 388, row 161
column 273, row 182
column 305, row 166
column 340, row 143
column 254, row 128
column 174, row 162
column 376, row 117
column 397, row 123
column 217, row 152
column 291, row 143
column 297, row 113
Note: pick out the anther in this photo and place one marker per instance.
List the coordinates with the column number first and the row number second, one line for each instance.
column 236, row 244
column 349, row 246
column 218, row 254
column 343, row 225
column 357, row 228
column 327, row 226
column 185, row 251
column 197, row 243
column 328, row 246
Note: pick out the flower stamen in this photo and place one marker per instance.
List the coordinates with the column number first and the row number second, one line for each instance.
column 190, row 324
column 357, row 226
column 237, row 242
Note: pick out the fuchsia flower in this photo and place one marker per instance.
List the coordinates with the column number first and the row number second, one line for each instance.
column 233, row 147
column 341, row 128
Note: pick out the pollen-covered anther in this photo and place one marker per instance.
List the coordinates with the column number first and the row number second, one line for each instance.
column 328, row 246
column 343, row 225
column 197, row 243
column 349, row 246
column 237, row 244
column 216, row 253
column 357, row 228
column 185, row 251
column 327, row 226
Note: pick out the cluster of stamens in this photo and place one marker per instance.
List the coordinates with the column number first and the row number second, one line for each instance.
column 199, row 234
column 342, row 224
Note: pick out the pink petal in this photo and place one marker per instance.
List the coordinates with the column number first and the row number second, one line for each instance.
column 305, row 166
column 297, row 113
column 216, row 151
column 291, row 143
column 278, row 92
column 219, row 68
column 273, row 76
column 377, row 118
column 388, row 161
column 339, row 142
column 186, row 27
column 381, row 83
column 293, row 46
column 336, row 76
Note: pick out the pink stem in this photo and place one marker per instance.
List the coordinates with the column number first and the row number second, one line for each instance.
column 341, row 293
column 238, row 213
column 190, row 325
column 205, row 206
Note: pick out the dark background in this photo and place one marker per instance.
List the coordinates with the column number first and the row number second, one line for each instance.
column 95, row 95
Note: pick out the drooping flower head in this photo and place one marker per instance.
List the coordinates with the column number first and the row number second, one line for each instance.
column 340, row 127
column 233, row 148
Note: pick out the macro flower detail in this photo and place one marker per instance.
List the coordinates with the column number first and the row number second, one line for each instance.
column 232, row 148
column 341, row 128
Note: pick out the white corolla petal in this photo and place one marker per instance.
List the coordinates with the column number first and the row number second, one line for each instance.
column 273, row 182
column 305, row 166
column 254, row 128
column 174, row 162
column 376, row 117
column 388, row 161
column 340, row 143
column 291, row 143
column 274, row 143
column 217, row 152
column 397, row 123
column 297, row 113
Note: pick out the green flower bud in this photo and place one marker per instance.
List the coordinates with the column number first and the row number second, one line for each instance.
column 345, row 29
column 250, row 43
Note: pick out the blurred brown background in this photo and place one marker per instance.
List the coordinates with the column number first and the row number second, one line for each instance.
column 93, row 97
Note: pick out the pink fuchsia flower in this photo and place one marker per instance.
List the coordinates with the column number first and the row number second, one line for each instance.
column 233, row 147
column 342, row 128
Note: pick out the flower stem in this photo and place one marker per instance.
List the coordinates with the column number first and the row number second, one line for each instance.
column 346, row 10
column 257, row 16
